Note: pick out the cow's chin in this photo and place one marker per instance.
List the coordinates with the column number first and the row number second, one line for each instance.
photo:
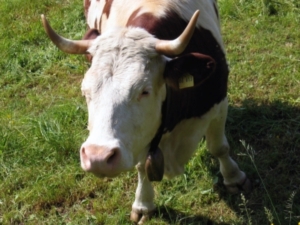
column 101, row 176
column 111, row 175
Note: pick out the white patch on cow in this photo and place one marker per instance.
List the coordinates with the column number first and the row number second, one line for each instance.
column 124, row 89
column 103, row 22
column 94, row 13
column 207, row 18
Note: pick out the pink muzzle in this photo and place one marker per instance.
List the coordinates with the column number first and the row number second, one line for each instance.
column 100, row 160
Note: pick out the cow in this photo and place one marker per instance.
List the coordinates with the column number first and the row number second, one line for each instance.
column 157, row 84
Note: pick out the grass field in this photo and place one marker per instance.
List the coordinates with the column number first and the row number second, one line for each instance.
column 43, row 123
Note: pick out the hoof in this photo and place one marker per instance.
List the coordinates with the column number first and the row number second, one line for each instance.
column 244, row 186
column 139, row 217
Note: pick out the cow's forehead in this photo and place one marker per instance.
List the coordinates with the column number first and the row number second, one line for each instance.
column 127, row 55
column 128, row 40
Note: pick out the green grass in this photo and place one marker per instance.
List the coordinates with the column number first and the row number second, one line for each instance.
column 43, row 123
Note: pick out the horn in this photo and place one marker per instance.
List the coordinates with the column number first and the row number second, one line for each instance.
column 177, row 46
column 66, row 45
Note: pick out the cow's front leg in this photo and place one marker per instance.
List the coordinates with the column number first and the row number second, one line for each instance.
column 143, row 206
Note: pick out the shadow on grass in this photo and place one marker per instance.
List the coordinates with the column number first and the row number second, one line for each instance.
column 270, row 157
column 272, row 162
column 172, row 216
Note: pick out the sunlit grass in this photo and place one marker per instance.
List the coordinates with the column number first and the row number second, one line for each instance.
column 43, row 123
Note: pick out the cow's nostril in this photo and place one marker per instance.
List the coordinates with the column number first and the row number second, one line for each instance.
column 112, row 157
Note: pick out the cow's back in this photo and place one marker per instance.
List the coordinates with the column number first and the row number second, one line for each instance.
column 107, row 14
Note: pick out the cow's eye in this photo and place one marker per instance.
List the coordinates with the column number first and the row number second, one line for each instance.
column 145, row 93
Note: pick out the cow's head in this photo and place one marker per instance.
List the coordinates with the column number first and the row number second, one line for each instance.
column 125, row 88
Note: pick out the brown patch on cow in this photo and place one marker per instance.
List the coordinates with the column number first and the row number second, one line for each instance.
column 96, row 25
column 189, row 102
column 131, row 20
column 151, row 21
column 107, row 7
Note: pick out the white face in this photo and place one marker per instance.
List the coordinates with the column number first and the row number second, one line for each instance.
column 124, row 90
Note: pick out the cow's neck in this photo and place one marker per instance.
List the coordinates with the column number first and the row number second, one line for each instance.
column 154, row 165
column 164, row 121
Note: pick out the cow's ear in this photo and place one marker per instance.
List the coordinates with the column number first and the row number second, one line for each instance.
column 91, row 34
column 189, row 70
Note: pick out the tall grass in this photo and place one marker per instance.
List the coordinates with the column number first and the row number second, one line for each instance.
column 43, row 122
